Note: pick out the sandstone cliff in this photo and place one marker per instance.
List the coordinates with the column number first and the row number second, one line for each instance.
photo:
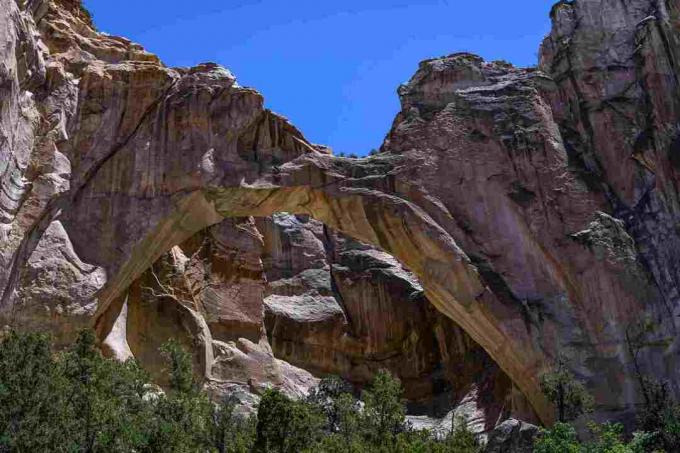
column 512, row 214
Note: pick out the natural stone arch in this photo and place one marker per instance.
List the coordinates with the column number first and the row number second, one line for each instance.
column 131, row 152
column 189, row 147
column 311, row 185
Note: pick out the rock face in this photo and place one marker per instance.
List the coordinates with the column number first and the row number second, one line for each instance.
column 266, row 301
column 534, row 213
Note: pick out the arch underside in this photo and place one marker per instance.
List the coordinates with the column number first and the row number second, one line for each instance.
column 386, row 221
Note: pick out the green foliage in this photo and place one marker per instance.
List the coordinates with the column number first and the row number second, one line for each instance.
column 105, row 408
column 561, row 437
column 181, row 422
column 572, row 400
column 608, row 438
column 79, row 401
column 380, row 425
column 286, row 426
column 334, row 443
column 183, row 418
column 349, row 424
column 643, row 442
column 28, row 394
column 659, row 418
column 333, row 397
column 461, row 439
column 180, row 367
column 384, row 414
column 230, row 432
column 84, row 13
column 570, row 397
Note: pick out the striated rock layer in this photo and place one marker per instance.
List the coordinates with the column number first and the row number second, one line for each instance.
column 534, row 213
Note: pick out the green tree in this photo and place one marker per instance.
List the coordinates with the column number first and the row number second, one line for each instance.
column 232, row 433
column 659, row 418
column 105, row 406
column 570, row 396
column 286, row 426
column 333, row 397
column 560, row 438
column 30, row 394
column 608, row 438
column 384, row 414
column 348, row 418
column 335, row 443
column 183, row 416
column 179, row 366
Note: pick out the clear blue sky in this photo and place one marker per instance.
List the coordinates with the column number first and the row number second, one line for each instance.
column 331, row 67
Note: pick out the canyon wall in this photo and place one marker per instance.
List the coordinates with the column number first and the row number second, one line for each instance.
column 512, row 215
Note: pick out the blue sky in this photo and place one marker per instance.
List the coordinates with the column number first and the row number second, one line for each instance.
column 331, row 67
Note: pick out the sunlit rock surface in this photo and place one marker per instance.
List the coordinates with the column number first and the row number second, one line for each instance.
column 512, row 214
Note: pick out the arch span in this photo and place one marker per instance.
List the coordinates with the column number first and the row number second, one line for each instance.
column 352, row 200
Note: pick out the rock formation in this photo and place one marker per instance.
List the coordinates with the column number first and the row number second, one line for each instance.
column 511, row 215
column 281, row 295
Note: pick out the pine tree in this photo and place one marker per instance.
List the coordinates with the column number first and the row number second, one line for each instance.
column 384, row 414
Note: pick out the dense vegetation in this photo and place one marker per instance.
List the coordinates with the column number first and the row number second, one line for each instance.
column 79, row 401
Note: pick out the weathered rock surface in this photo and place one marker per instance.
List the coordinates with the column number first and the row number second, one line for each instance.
column 535, row 209
column 336, row 306
column 511, row 436
column 325, row 304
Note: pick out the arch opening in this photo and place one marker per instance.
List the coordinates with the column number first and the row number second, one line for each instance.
column 384, row 221
column 279, row 297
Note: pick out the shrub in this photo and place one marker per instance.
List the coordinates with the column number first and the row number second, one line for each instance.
column 104, row 406
column 560, row 438
column 180, row 367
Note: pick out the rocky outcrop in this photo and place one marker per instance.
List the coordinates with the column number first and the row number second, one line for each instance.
column 512, row 436
column 533, row 209
column 337, row 306
column 265, row 302
column 616, row 104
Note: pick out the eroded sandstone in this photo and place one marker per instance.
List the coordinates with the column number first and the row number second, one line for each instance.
column 536, row 208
